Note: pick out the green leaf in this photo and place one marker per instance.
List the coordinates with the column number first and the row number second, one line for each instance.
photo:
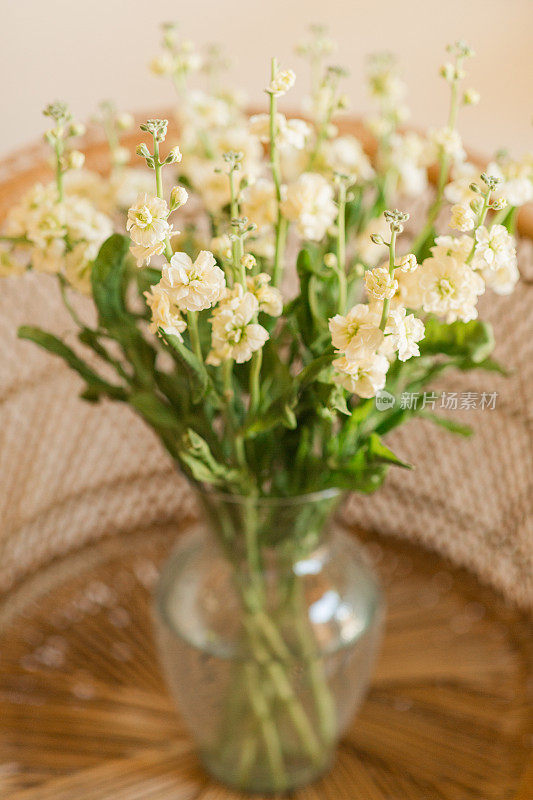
column 280, row 413
column 378, row 452
column 155, row 412
column 195, row 454
column 192, row 366
column 96, row 386
column 309, row 373
column 107, row 278
column 472, row 341
column 445, row 422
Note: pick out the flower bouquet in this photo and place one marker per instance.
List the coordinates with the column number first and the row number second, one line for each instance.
column 262, row 342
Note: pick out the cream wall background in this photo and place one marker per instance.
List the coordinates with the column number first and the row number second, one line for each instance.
column 85, row 51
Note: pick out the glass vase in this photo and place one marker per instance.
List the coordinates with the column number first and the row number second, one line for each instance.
column 268, row 622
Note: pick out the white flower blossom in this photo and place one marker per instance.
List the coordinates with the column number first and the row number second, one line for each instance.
column 516, row 181
column 291, row 133
column 448, row 142
column 357, row 333
column 364, row 377
column 462, row 218
column 234, row 334
column 494, row 248
column 449, row 288
column 147, row 220
column 407, row 263
column 193, row 285
column 165, row 313
column 259, row 204
column 380, row 284
column 309, row 203
column 458, row 190
column 143, row 255
column 405, row 331
column 282, row 82
column 345, row 154
column 368, row 251
column 78, row 265
column 502, row 280
column 269, row 298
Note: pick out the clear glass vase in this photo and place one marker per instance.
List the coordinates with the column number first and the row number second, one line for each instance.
column 268, row 622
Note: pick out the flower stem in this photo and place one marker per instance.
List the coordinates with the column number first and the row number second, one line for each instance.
column 192, row 323
column 281, row 223
column 159, row 190
column 392, row 261
column 341, row 248
column 255, row 370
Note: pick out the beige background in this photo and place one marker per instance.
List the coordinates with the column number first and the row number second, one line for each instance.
column 85, row 51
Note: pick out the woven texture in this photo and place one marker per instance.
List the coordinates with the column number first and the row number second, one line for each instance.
column 73, row 472
column 85, row 714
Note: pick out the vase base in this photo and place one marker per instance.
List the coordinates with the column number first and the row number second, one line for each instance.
column 261, row 782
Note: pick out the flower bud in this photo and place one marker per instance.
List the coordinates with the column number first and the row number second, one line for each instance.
column 77, row 129
column 174, row 156
column 377, row 239
column 178, row 197
column 76, row 159
column 248, row 261
column 471, row 97
column 121, row 155
column 474, row 188
column 142, row 150
column 330, row 260
column 124, row 121
column 499, row 204
column 447, row 71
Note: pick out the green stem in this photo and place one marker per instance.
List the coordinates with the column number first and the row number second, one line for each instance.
column 255, row 370
column 481, row 219
column 159, row 190
column 192, row 324
column 59, row 171
column 281, row 223
column 392, row 260
column 341, row 248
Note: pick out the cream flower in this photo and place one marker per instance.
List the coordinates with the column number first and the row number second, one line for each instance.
column 259, row 203
column 213, row 187
column 78, row 265
column 408, row 158
column 407, row 263
column 310, row 204
column 459, row 247
column 449, row 288
column 503, row 279
column 234, row 334
column 143, row 255
column 282, row 82
column 494, row 248
column 49, row 258
column 458, row 190
column 380, row 284
column 291, row 133
column 269, row 298
column 364, row 377
column 463, row 218
column 448, row 142
column 165, row 313
column 147, row 220
column 357, row 333
column 404, row 331
column 345, row 154
column 367, row 250
column 516, row 180
column 196, row 285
